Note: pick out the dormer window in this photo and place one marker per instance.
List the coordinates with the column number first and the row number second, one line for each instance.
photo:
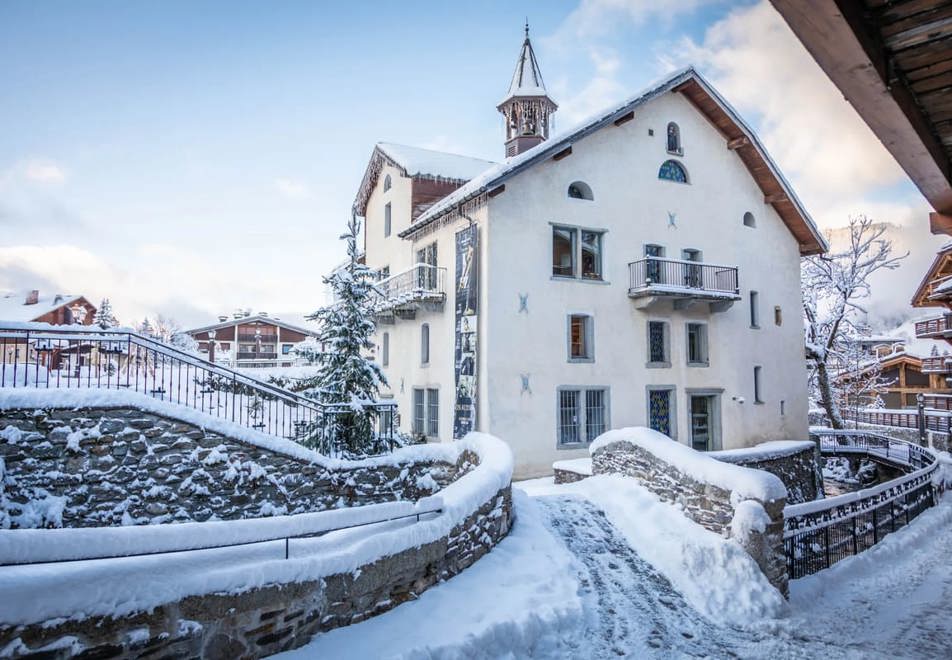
column 672, row 170
column 580, row 190
column 386, row 183
column 674, row 139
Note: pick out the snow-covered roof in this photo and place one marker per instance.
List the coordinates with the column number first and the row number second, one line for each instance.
column 13, row 305
column 494, row 176
column 527, row 78
column 416, row 161
column 253, row 319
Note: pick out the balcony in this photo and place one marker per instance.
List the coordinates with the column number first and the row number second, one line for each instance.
column 251, row 355
column 419, row 287
column 251, row 338
column 935, row 328
column 654, row 279
column 939, row 364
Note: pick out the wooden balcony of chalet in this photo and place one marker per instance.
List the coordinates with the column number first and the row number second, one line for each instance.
column 421, row 286
column 935, row 328
column 938, row 364
column 686, row 283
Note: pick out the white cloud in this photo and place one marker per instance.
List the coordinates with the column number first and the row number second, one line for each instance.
column 292, row 188
column 44, row 171
column 600, row 91
column 597, row 17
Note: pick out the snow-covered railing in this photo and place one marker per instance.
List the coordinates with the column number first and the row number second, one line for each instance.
column 420, row 283
column 818, row 534
column 38, row 355
column 935, row 420
column 652, row 275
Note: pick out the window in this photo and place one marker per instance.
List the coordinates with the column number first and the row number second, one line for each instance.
column 749, row 220
column 568, row 252
column 286, row 349
column 419, row 411
column 697, row 344
column 580, row 190
column 757, row 393
column 386, row 183
column 660, row 411
column 777, row 315
column 425, row 343
column 385, row 350
column 674, row 139
column 672, row 170
column 427, row 275
column 581, row 339
column 386, row 220
column 433, row 412
column 563, row 252
column 658, row 344
column 582, row 414
column 754, row 309
column 224, row 346
column 383, row 273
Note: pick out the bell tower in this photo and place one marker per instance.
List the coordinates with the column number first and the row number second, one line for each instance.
column 527, row 108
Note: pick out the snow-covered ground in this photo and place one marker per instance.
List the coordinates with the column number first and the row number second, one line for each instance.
column 600, row 569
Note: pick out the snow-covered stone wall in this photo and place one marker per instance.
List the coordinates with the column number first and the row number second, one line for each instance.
column 795, row 462
column 734, row 501
column 62, row 467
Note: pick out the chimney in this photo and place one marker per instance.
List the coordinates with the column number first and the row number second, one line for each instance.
column 264, row 314
column 237, row 314
column 222, row 318
column 32, row 297
column 247, row 313
column 57, row 299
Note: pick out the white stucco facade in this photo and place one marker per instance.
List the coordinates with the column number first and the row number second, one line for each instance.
column 523, row 308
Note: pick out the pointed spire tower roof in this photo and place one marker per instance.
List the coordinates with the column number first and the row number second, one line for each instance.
column 527, row 78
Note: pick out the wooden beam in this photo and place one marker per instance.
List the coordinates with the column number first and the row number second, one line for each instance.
column 498, row 190
column 625, row 118
column 940, row 223
column 563, row 154
column 776, row 198
column 738, row 142
column 837, row 35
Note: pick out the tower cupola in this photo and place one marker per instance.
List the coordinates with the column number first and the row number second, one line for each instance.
column 527, row 108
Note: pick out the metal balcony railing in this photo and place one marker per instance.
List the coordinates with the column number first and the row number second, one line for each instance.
column 675, row 277
column 934, row 327
column 419, row 283
column 251, row 338
column 245, row 355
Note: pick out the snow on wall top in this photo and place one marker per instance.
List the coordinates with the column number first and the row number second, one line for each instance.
column 12, row 307
column 764, row 451
column 428, row 162
column 744, row 483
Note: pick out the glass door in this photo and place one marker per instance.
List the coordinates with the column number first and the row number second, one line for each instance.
column 701, row 422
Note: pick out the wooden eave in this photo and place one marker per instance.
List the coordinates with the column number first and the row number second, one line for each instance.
column 893, row 62
column 941, row 267
column 738, row 141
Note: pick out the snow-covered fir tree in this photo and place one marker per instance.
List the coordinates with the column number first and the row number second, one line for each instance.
column 834, row 286
column 105, row 318
column 347, row 378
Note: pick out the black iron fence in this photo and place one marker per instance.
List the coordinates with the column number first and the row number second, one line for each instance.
column 657, row 273
column 81, row 357
column 820, row 533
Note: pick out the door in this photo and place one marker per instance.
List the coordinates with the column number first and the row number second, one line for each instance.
column 427, row 275
column 653, row 266
column 701, row 422
column 692, row 273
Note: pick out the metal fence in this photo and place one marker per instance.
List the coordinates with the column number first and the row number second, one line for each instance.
column 935, row 420
column 820, row 533
column 654, row 272
column 82, row 357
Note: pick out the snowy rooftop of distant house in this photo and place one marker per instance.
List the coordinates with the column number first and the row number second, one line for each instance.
column 13, row 305
column 428, row 162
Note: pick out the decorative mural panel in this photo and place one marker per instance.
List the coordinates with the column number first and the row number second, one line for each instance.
column 467, row 321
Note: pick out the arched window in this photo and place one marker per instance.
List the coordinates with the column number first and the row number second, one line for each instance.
column 386, row 183
column 672, row 170
column 580, row 190
column 674, row 139
column 749, row 220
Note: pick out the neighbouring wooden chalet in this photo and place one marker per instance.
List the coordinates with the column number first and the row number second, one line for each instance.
column 55, row 309
column 247, row 340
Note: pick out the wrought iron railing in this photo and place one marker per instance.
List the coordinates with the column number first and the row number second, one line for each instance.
column 421, row 282
column 654, row 275
column 820, row 533
column 934, row 327
column 87, row 357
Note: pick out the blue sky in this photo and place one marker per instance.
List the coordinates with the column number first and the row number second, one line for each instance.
column 189, row 158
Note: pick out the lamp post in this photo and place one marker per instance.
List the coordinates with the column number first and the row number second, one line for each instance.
column 211, row 346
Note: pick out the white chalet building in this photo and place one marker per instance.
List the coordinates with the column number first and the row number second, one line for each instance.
column 641, row 268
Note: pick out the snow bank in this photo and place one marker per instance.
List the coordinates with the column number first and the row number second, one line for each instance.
column 764, row 451
column 121, row 587
column 714, row 574
column 502, row 606
column 578, row 466
column 741, row 482
column 102, row 398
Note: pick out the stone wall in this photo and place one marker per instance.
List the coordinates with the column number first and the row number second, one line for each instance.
column 708, row 505
column 274, row 618
column 100, row 467
column 799, row 470
column 568, row 476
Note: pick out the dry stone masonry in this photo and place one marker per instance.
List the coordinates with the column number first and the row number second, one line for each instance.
column 102, row 467
column 796, row 463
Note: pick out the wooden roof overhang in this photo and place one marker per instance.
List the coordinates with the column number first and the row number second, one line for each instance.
column 939, row 271
column 892, row 60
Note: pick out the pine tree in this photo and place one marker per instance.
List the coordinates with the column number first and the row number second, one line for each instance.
column 347, row 379
column 105, row 318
